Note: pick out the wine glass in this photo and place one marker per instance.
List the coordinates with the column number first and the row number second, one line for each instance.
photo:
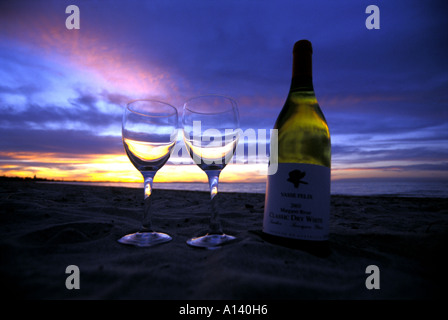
column 149, row 132
column 211, row 132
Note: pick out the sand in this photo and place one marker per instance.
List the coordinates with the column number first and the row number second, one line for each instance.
column 47, row 227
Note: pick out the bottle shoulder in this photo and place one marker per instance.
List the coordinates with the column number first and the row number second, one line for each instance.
column 302, row 108
column 303, row 133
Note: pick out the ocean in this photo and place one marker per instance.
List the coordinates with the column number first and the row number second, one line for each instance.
column 353, row 187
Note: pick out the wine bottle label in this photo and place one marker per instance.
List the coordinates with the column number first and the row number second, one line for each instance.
column 298, row 202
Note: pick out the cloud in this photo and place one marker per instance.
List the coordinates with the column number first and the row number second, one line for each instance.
column 85, row 111
column 74, row 142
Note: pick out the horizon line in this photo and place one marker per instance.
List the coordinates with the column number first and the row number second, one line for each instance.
column 359, row 179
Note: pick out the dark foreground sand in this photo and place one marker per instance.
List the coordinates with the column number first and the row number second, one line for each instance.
column 46, row 227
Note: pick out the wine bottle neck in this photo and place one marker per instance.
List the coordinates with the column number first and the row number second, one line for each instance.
column 301, row 83
column 302, row 64
column 302, row 72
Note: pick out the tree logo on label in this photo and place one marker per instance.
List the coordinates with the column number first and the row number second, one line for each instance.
column 296, row 176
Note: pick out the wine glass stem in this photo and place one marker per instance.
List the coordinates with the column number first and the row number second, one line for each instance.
column 146, row 221
column 213, row 180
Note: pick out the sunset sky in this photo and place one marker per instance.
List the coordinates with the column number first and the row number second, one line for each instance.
column 384, row 92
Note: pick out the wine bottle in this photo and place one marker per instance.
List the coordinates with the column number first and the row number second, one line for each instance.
column 297, row 203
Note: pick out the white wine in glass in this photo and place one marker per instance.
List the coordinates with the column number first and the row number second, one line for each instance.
column 211, row 132
column 149, row 132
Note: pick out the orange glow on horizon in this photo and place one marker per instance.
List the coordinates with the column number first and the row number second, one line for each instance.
column 118, row 168
column 386, row 172
column 113, row 168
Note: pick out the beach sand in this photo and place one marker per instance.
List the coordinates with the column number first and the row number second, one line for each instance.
column 46, row 227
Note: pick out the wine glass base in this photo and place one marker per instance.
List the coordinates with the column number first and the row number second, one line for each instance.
column 145, row 239
column 211, row 241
